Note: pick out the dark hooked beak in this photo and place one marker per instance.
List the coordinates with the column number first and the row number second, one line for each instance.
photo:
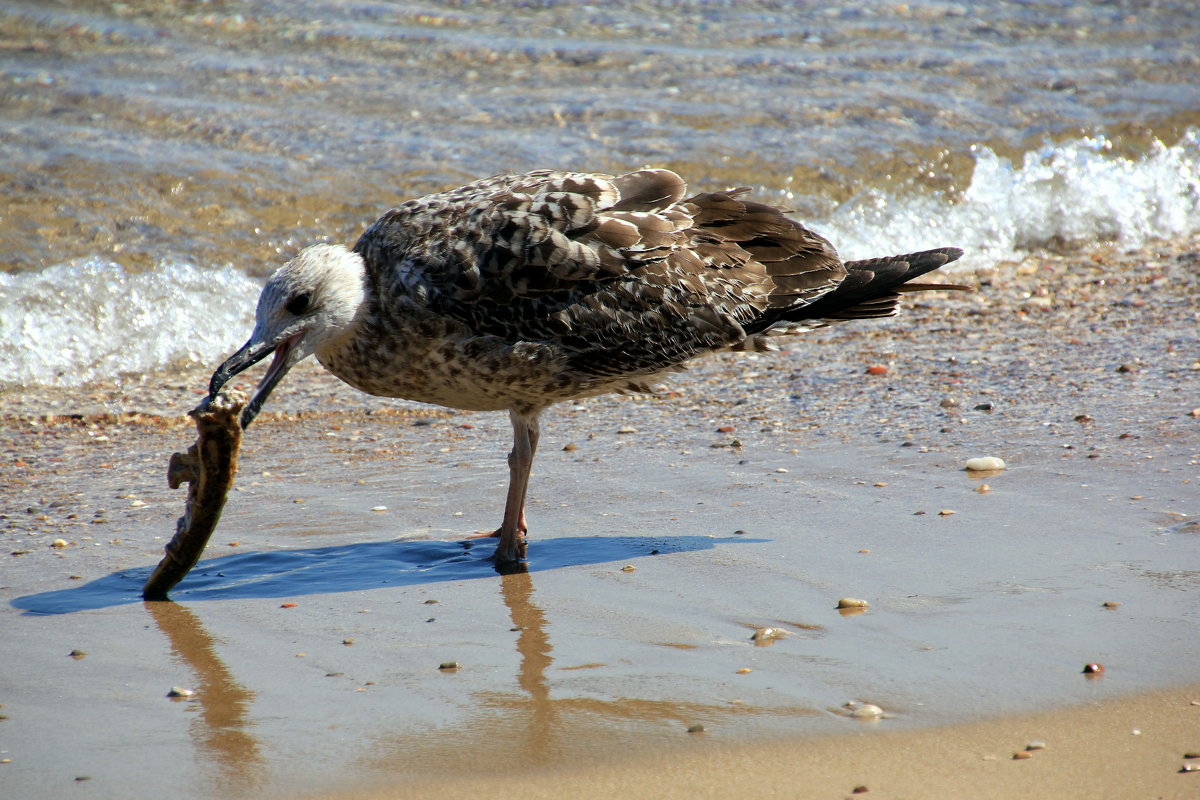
column 251, row 353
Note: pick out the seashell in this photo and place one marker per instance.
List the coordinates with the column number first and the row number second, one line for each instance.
column 984, row 464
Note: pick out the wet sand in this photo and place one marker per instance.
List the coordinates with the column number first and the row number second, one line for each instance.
column 754, row 493
column 1133, row 747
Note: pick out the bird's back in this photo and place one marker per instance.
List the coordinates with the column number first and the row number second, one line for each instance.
column 621, row 277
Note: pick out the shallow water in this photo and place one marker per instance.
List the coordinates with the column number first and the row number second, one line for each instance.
column 216, row 139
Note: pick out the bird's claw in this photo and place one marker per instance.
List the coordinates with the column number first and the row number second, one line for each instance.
column 511, row 551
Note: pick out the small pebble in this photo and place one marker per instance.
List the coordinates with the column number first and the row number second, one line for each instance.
column 695, row 728
column 984, row 463
column 59, row 544
column 852, row 602
column 287, row 605
column 627, row 429
column 1110, row 604
column 1036, row 744
column 768, row 634
column 629, row 568
column 877, row 369
column 379, row 508
column 945, row 512
column 983, row 488
column 1022, row 754
column 859, row 790
column 863, row 710
column 347, row 642
column 449, row 666
column 744, row 671
column 77, row 654
column 781, row 470
column 1093, row 669
column 179, row 691
column 1190, row 768
column 569, row 447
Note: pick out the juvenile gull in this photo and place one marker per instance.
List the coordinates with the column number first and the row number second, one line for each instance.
column 520, row 291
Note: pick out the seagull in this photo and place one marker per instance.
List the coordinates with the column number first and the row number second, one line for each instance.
column 520, row 291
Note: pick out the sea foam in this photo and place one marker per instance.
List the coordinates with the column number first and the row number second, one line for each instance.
column 1062, row 195
column 87, row 320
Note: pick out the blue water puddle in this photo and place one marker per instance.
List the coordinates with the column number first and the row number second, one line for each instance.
column 355, row 567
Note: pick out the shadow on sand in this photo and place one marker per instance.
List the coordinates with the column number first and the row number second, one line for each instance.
column 354, row 567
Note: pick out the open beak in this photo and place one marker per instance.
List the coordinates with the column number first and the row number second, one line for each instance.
column 286, row 356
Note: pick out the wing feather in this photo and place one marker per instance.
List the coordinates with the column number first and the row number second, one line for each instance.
column 622, row 275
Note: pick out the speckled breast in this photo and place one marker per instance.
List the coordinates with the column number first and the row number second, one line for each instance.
column 455, row 369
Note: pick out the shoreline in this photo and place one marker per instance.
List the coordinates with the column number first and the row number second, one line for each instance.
column 1078, row 370
column 677, row 632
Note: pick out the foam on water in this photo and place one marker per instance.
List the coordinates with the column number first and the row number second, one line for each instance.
column 87, row 320
column 1062, row 195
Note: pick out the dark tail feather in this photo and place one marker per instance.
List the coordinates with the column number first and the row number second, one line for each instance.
column 872, row 288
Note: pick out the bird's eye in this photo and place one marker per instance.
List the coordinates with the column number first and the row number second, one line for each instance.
column 298, row 304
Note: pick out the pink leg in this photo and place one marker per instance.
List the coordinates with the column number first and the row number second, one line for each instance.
column 513, row 528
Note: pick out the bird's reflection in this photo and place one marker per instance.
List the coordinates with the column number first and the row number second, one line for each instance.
column 533, row 644
column 538, row 717
column 221, row 732
column 530, row 727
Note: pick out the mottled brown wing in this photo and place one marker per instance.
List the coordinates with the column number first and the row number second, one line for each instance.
column 621, row 274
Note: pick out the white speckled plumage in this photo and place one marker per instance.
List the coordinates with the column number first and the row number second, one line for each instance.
column 520, row 291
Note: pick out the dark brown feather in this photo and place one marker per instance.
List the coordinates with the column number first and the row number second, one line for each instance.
column 621, row 276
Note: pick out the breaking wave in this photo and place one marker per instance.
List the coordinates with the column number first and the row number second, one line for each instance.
column 1059, row 196
column 83, row 321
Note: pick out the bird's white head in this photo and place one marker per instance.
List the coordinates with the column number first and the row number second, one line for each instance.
column 308, row 303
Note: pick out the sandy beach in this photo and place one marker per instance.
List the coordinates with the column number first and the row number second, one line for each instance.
column 751, row 494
